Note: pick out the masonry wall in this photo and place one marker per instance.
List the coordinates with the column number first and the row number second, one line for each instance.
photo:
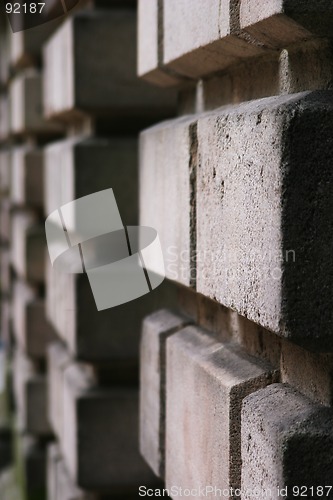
column 236, row 387
column 219, row 382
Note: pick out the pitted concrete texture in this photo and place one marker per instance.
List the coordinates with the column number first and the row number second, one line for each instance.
column 206, row 383
column 264, row 213
column 286, row 442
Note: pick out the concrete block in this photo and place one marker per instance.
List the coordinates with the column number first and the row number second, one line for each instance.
column 26, row 112
column 92, row 165
column 27, row 176
column 53, row 459
column 59, row 484
column 206, row 383
column 5, row 280
column 168, row 164
column 30, row 467
column 5, row 163
column 28, row 246
column 6, row 320
column 31, row 328
column 5, row 117
column 279, row 23
column 155, row 330
column 288, row 448
column 150, row 45
column 99, row 75
column 4, row 57
column 207, row 42
column 30, row 391
column 26, row 45
column 5, row 222
column 100, row 441
column 261, row 207
column 58, row 360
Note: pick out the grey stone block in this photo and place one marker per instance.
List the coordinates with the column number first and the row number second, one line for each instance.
column 27, row 176
column 100, row 440
column 206, row 383
column 28, row 246
column 30, row 391
column 264, row 213
column 210, row 40
column 150, row 45
column 59, row 484
column 286, row 442
column 31, row 328
column 168, row 164
column 5, row 118
column 5, row 223
column 26, row 45
column 5, row 161
column 58, row 360
column 26, row 112
column 279, row 23
column 100, row 73
column 30, row 467
column 155, row 330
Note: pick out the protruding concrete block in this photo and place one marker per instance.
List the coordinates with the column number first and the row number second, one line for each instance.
column 30, row 467
column 286, row 443
column 155, row 330
column 5, row 222
column 150, row 45
column 27, row 176
column 58, row 360
column 280, row 23
column 4, row 56
column 264, row 208
column 99, row 75
column 206, row 383
column 168, row 169
column 26, row 45
column 30, row 396
column 100, row 440
column 31, row 328
column 28, row 246
column 26, row 112
column 5, row 117
column 92, row 165
column 59, row 484
column 207, row 42
column 5, row 281
column 5, row 162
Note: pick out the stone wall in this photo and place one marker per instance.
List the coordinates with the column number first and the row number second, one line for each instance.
column 224, row 146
